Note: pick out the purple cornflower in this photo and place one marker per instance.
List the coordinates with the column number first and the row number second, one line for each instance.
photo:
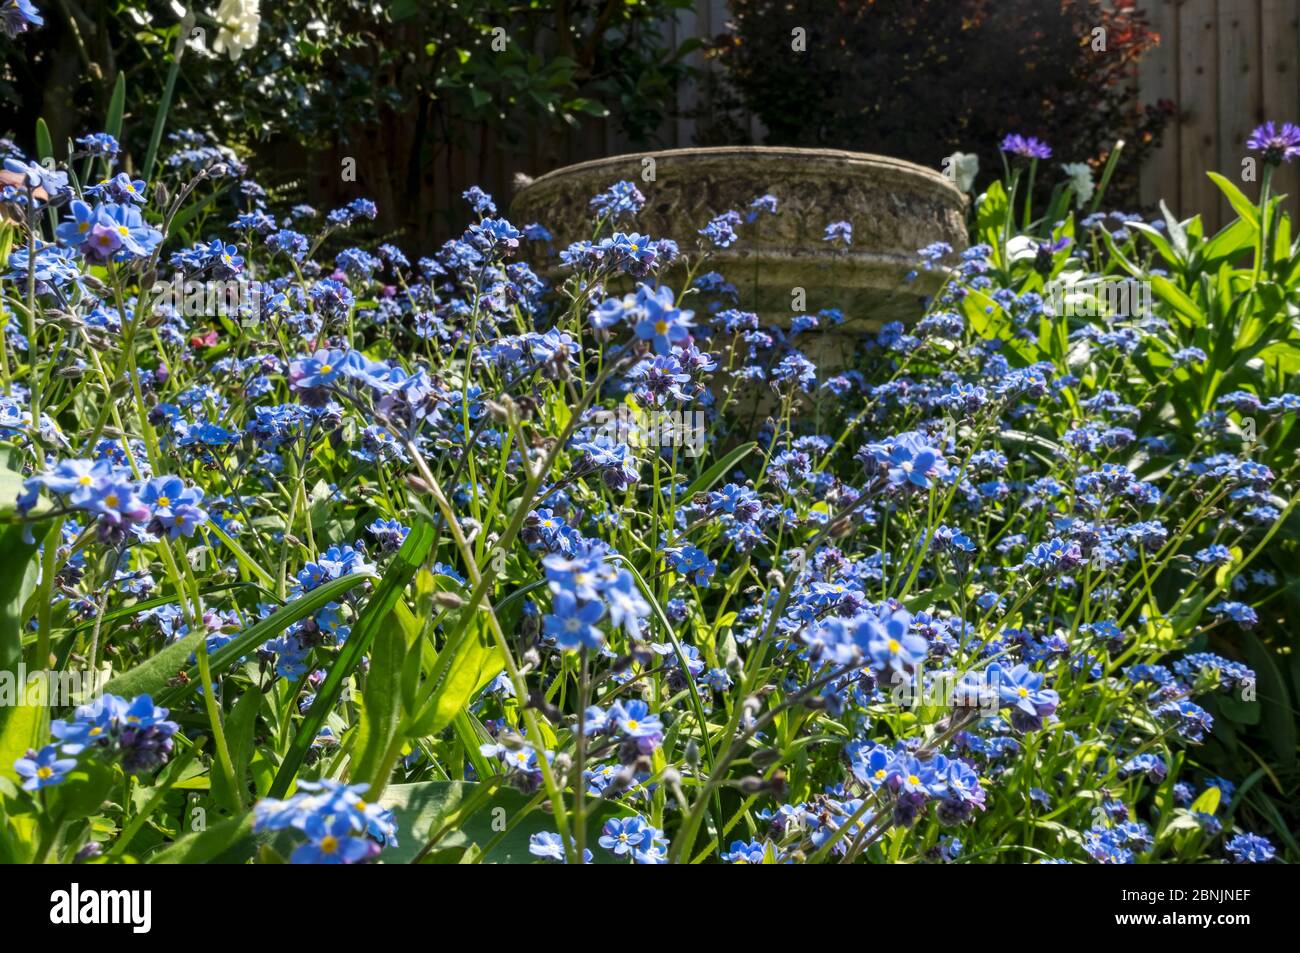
column 1278, row 145
column 1029, row 147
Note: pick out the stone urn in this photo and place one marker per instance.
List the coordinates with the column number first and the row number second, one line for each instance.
column 895, row 208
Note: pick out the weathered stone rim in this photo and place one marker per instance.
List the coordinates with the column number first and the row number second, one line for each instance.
column 916, row 176
column 860, row 266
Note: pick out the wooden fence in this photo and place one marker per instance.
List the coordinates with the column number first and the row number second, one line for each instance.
column 1227, row 65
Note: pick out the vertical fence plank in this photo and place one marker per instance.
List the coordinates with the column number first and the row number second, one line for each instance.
column 1240, row 98
column 1198, row 77
column 1157, row 80
column 1279, row 51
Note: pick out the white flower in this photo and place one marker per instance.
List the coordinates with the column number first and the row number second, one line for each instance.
column 239, row 21
column 962, row 167
column 1022, row 248
column 1081, row 179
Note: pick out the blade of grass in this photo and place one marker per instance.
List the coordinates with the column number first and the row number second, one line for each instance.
column 271, row 626
column 713, row 474
column 169, row 90
column 116, row 107
column 246, row 560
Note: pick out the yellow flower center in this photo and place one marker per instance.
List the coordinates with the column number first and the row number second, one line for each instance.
column 326, row 368
column 661, row 328
column 913, row 779
column 44, row 772
column 329, row 844
column 1022, row 692
column 164, row 500
column 894, row 646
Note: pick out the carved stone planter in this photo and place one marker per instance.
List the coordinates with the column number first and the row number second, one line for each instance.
column 895, row 208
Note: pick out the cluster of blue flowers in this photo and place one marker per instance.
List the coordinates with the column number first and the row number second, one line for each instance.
column 586, row 589
column 120, row 505
column 339, row 825
column 136, row 733
column 926, row 594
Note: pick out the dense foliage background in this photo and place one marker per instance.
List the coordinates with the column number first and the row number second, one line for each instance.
column 412, row 90
column 921, row 79
column 393, row 86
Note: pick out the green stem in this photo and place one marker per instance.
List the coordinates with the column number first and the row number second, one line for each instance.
column 218, row 731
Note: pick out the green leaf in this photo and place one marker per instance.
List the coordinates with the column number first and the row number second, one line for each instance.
column 477, row 661
column 84, row 792
column 151, row 676
column 381, row 704
column 938, row 594
column 588, row 106
column 1177, row 234
column 230, row 840
column 1278, row 723
column 1177, row 299
column 1242, row 205
column 116, row 107
column 1157, row 238
column 21, row 727
column 1229, row 242
column 17, row 583
column 415, row 550
column 240, row 728
column 704, row 482
column 265, row 629
column 502, row 821
column 44, row 144
column 991, row 209
column 982, row 311
column 11, row 485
